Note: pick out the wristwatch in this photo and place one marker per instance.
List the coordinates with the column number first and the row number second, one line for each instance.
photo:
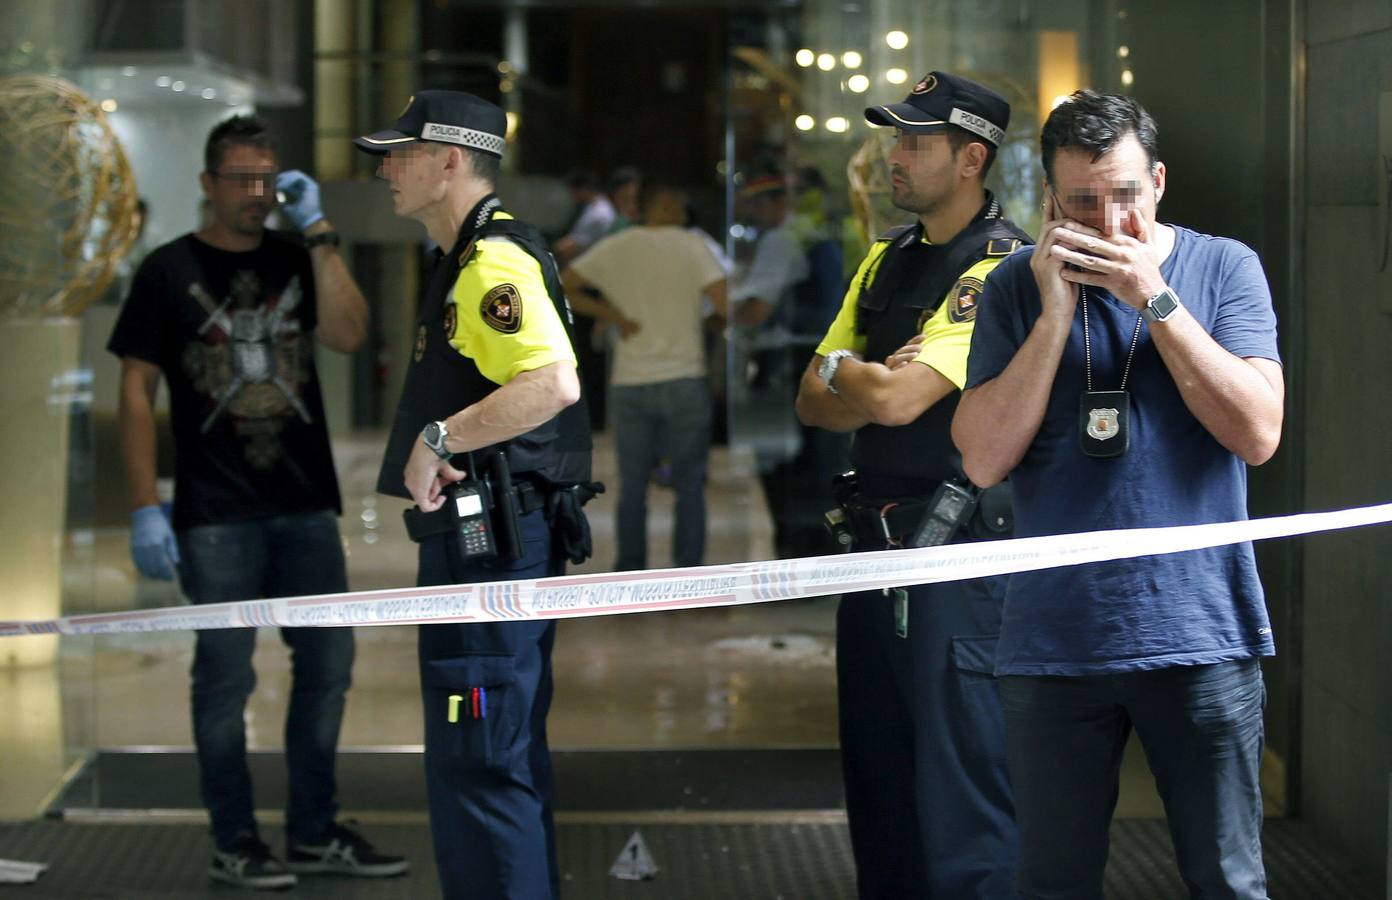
column 827, row 370
column 324, row 237
column 1160, row 307
column 433, row 436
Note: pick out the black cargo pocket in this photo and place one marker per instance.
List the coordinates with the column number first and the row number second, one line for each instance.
column 472, row 717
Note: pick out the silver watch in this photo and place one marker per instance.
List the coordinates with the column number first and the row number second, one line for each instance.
column 1160, row 307
column 827, row 370
column 433, row 436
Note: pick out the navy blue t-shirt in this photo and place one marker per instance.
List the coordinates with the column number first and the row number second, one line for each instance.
column 1190, row 608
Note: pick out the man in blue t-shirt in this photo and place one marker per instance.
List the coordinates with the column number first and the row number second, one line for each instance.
column 1123, row 374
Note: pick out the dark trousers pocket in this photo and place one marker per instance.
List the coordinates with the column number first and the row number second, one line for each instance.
column 471, row 717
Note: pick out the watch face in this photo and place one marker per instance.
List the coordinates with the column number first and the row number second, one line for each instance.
column 432, row 434
column 1164, row 304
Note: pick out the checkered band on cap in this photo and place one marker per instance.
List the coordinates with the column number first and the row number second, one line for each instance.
column 467, row 137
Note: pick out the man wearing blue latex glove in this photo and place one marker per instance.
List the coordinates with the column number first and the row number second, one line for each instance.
column 299, row 198
column 227, row 316
column 153, row 546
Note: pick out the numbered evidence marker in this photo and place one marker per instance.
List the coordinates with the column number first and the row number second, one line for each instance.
column 635, row 863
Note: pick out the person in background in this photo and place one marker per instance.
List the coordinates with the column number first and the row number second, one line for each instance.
column 594, row 216
column 651, row 278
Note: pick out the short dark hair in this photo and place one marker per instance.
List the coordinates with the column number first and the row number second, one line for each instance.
column 487, row 167
column 1096, row 121
column 959, row 137
column 623, row 175
column 247, row 131
column 582, row 179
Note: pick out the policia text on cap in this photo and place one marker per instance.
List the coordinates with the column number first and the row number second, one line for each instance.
column 492, row 386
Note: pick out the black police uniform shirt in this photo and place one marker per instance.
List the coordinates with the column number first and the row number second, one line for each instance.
column 232, row 333
column 945, row 323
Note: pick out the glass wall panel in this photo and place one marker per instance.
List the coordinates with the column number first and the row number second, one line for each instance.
column 799, row 89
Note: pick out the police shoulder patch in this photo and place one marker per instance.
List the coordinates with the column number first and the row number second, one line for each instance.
column 962, row 304
column 501, row 308
column 1002, row 246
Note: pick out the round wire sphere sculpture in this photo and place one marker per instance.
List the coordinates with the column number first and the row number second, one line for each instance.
column 67, row 203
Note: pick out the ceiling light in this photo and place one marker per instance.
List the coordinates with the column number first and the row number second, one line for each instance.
column 897, row 40
column 896, row 76
column 805, row 122
column 826, row 62
column 838, row 124
column 858, row 83
column 851, row 59
column 805, row 57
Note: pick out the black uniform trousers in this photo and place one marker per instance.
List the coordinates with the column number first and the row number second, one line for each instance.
column 923, row 743
column 488, row 772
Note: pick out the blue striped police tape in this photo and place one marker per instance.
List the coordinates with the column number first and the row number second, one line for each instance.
column 615, row 593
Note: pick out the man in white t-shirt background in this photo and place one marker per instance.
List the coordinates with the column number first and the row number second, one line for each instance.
column 651, row 279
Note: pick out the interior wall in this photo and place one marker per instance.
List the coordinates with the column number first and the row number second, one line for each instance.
column 1224, row 132
column 1348, row 722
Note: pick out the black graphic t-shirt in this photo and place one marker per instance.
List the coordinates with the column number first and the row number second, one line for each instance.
column 233, row 334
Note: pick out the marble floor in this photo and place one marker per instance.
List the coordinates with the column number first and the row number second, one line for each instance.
column 752, row 676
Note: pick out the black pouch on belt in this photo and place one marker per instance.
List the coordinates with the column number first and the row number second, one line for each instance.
column 566, row 515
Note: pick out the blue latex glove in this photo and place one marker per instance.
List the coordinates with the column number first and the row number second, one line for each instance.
column 301, row 203
column 153, row 546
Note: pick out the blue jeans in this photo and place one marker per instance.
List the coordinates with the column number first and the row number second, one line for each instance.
column 1201, row 727
column 674, row 416
column 488, row 776
column 278, row 556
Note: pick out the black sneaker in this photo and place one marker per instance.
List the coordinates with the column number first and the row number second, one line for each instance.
column 249, row 863
column 342, row 851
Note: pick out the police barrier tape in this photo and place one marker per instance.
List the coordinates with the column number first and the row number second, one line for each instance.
column 615, row 593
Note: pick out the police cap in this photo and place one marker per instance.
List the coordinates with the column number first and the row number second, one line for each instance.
column 942, row 99
column 450, row 117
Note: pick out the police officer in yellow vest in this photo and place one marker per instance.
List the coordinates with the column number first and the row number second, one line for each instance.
column 492, row 443
column 922, row 737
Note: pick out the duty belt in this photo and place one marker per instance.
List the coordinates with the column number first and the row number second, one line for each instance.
column 421, row 525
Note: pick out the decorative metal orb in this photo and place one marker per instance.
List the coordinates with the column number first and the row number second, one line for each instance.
column 67, row 200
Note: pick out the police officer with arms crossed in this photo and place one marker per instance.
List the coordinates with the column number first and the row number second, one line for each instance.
column 922, row 739
column 490, row 396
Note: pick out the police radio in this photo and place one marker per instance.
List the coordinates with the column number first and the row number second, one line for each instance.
column 468, row 502
column 948, row 510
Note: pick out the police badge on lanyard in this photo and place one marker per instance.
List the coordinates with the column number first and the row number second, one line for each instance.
column 1104, row 417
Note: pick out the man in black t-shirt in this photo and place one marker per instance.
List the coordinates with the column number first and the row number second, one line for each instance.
column 226, row 315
